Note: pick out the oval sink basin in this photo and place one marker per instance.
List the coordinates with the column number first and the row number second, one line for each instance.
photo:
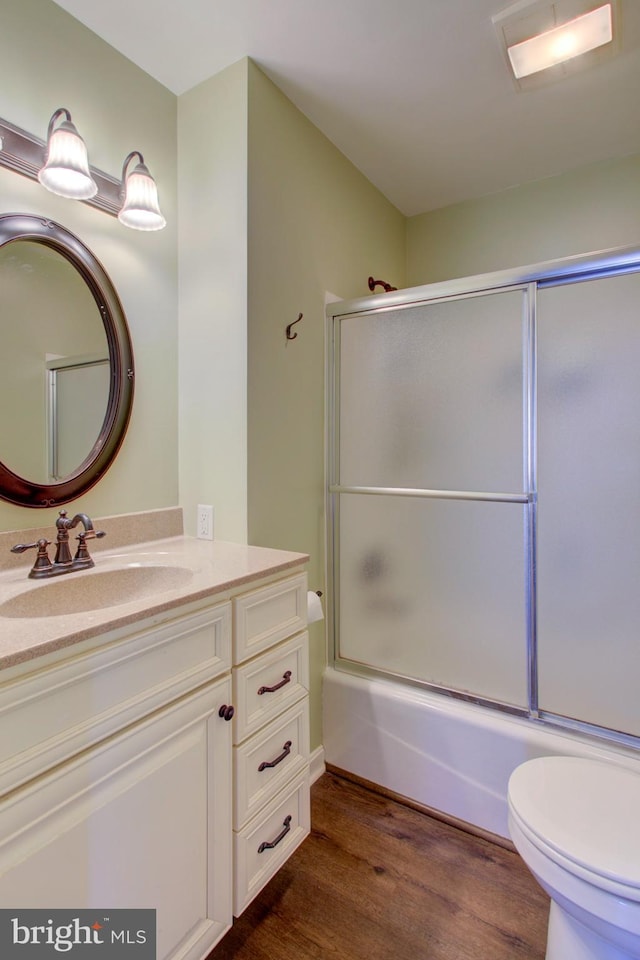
column 94, row 590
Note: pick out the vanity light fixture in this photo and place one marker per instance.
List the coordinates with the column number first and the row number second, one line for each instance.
column 61, row 164
column 140, row 209
column 66, row 169
column 577, row 36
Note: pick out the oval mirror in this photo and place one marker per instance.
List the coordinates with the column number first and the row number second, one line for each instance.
column 66, row 370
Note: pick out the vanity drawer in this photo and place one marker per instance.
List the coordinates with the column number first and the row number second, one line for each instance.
column 267, row 685
column 51, row 714
column 268, row 615
column 265, row 762
column 269, row 839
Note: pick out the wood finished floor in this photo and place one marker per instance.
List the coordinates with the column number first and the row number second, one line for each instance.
column 377, row 880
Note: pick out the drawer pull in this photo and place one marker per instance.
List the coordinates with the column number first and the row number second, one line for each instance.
column 226, row 712
column 286, row 750
column 286, row 678
column 266, row 845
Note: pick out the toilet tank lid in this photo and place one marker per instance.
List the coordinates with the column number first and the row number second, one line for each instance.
column 587, row 810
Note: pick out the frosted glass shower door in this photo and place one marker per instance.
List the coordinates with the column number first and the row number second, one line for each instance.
column 431, row 497
column 432, row 395
column 589, row 501
column 433, row 590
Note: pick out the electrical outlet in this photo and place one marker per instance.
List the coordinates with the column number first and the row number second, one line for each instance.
column 204, row 529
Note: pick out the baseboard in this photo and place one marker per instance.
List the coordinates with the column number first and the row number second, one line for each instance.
column 317, row 765
column 423, row 808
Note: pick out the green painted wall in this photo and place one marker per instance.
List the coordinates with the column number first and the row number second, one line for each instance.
column 48, row 60
column 593, row 208
column 212, row 150
column 315, row 225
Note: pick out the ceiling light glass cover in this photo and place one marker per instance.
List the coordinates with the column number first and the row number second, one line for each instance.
column 140, row 209
column 66, row 169
column 584, row 33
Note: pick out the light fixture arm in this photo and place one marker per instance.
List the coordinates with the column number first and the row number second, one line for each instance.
column 127, row 161
column 61, row 111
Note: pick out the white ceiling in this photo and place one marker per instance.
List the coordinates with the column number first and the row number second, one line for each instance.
column 416, row 93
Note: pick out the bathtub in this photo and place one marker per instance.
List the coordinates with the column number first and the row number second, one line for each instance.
column 449, row 755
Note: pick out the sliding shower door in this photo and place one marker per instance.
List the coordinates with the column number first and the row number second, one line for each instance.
column 431, row 493
column 484, row 491
column 589, row 501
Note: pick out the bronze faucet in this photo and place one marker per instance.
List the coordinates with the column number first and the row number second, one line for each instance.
column 63, row 561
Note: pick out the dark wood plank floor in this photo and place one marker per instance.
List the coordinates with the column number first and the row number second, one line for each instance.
column 377, row 880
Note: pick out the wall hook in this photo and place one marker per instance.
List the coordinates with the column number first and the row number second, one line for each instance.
column 292, row 336
column 380, row 283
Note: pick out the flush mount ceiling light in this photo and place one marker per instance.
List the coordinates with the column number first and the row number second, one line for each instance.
column 66, row 169
column 61, row 165
column 580, row 35
column 545, row 40
column 140, row 209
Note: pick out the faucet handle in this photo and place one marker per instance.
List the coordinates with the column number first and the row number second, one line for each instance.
column 90, row 535
column 82, row 554
column 21, row 547
column 42, row 564
column 40, row 544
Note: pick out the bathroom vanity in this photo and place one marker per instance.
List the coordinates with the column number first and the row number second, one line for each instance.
column 154, row 751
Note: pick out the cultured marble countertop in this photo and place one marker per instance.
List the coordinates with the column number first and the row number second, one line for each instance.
column 202, row 569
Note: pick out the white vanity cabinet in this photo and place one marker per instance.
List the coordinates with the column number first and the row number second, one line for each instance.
column 119, row 785
column 271, row 732
column 139, row 820
column 116, row 773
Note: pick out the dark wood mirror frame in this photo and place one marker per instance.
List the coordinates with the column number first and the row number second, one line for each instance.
column 24, row 492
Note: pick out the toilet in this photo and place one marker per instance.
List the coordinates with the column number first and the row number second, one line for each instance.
column 576, row 824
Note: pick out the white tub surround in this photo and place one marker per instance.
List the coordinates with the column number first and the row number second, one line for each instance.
column 445, row 754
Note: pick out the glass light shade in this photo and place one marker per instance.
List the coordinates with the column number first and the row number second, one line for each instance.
column 66, row 170
column 141, row 209
column 580, row 35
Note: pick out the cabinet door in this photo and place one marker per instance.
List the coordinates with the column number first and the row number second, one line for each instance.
column 143, row 820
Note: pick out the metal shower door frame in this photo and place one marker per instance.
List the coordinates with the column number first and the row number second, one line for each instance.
column 528, row 280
